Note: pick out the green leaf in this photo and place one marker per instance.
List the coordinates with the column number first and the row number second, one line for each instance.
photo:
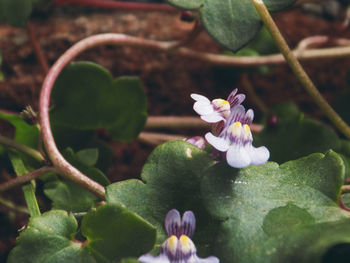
column 111, row 231
column 70, row 196
column 49, row 238
column 171, row 178
column 295, row 136
column 233, row 23
column 114, row 233
column 274, row 213
column 86, row 97
column 15, row 12
column 186, row 4
column 25, row 133
column 88, row 157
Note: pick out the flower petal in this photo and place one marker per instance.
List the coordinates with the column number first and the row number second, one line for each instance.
column 203, row 108
column 249, row 116
column 237, row 156
column 217, row 142
column 237, row 100
column 211, row 259
column 237, row 114
column 212, row 118
column 148, row 258
column 258, row 155
column 188, row 224
column 173, row 223
column 200, row 98
column 231, row 97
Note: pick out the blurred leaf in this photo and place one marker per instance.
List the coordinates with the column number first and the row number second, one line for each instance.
column 86, row 97
column 233, row 23
column 88, row 157
column 111, row 231
column 277, row 213
column 295, row 136
column 16, row 12
column 70, row 196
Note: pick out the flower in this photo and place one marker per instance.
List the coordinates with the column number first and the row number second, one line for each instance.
column 218, row 109
column 236, row 140
column 197, row 141
column 178, row 248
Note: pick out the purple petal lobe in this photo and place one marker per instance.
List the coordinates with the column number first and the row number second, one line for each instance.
column 238, row 99
column 249, row 116
column 231, row 97
column 188, row 224
column 238, row 157
column 173, row 222
column 237, row 114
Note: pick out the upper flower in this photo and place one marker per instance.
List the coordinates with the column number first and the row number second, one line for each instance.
column 236, row 140
column 218, row 109
column 178, row 248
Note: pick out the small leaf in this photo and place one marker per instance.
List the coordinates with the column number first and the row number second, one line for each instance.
column 86, row 97
column 49, row 238
column 88, row 157
column 186, row 4
column 70, row 196
column 233, row 23
column 114, row 233
column 295, row 136
column 15, row 12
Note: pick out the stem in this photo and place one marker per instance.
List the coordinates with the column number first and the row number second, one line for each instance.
column 154, row 138
column 21, row 147
column 298, row 69
column 13, row 206
column 28, row 189
column 37, row 49
column 174, row 122
column 121, row 5
column 26, row 178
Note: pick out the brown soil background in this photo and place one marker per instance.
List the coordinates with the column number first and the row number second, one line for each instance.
column 168, row 80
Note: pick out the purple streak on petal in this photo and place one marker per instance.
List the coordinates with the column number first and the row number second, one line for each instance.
column 188, row 224
column 232, row 95
column 237, row 114
column 249, row 116
column 238, row 99
column 173, row 222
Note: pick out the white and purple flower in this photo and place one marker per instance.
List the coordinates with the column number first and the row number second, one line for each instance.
column 236, row 140
column 178, row 248
column 218, row 109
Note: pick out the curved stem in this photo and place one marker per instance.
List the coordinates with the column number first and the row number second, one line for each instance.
column 21, row 147
column 26, row 178
column 13, row 206
column 64, row 167
column 154, row 138
column 298, row 69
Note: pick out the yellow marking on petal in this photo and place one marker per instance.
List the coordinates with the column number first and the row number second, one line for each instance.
column 222, row 104
column 246, row 128
column 186, row 244
column 235, row 129
column 172, row 244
